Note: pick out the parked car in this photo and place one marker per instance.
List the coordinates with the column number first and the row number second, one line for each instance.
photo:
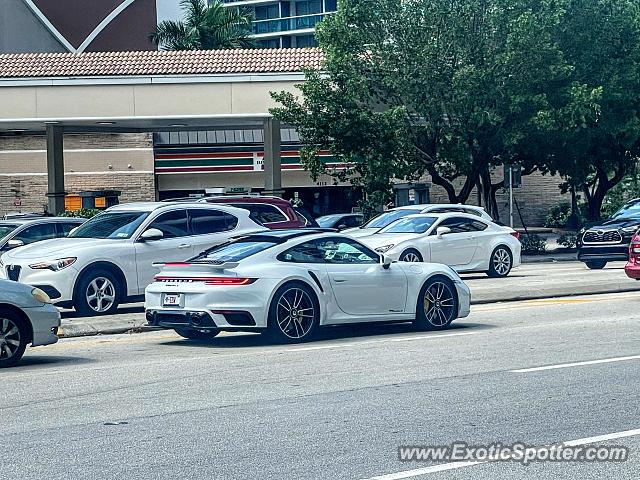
column 108, row 260
column 341, row 221
column 609, row 240
column 467, row 243
column 25, row 230
column 26, row 317
column 272, row 212
column 288, row 283
column 632, row 268
column 385, row 218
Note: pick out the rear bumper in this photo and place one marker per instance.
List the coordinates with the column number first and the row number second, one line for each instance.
column 464, row 299
column 200, row 319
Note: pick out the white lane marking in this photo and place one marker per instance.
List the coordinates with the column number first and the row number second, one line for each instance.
column 576, row 364
column 454, row 465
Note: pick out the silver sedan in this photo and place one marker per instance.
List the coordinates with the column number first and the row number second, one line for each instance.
column 26, row 317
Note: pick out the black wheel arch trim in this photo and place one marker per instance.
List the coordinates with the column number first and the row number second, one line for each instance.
column 20, row 313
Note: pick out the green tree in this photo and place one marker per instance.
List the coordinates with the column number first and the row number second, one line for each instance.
column 205, row 27
column 591, row 135
column 414, row 87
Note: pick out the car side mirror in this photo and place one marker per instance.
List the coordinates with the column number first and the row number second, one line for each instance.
column 440, row 231
column 14, row 243
column 342, row 226
column 151, row 234
column 385, row 262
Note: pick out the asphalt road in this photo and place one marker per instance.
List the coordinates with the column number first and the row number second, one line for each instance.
column 152, row 406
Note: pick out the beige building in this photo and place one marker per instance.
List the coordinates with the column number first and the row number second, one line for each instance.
column 166, row 124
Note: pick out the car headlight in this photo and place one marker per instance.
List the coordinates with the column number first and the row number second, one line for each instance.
column 40, row 296
column 384, row 248
column 631, row 229
column 54, row 265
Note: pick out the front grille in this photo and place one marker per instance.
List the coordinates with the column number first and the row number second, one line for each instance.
column 13, row 272
column 602, row 236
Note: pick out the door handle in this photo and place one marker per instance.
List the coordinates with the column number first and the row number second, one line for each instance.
column 183, row 246
column 339, row 280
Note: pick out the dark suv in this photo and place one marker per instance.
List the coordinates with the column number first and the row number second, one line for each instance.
column 609, row 240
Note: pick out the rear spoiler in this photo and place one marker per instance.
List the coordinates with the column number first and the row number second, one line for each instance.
column 211, row 264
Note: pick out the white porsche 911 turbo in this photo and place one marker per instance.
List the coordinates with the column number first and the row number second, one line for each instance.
column 288, row 283
column 464, row 242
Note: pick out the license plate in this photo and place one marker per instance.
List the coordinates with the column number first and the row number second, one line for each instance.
column 172, row 300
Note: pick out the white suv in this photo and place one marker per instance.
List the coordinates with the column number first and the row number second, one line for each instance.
column 108, row 260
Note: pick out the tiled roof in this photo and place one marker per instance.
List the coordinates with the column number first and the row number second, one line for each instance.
column 203, row 62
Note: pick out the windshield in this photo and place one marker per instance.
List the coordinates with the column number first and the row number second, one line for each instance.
column 386, row 218
column 111, row 225
column 629, row 210
column 234, row 252
column 7, row 228
column 410, row 225
column 328, row 221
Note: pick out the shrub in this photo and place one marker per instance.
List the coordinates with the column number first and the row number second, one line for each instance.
column 82, row 213
column 558, row 216
column 568, row 240
column 533, row 244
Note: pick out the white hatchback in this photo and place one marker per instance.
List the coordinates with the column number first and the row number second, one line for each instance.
column 108, row 260
column 465, row 242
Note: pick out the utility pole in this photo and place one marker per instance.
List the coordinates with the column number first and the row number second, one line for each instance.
column 511, row 196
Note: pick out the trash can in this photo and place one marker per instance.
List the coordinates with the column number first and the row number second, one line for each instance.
column 100, row 199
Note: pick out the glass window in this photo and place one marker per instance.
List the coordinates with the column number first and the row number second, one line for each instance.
column 234, row 252
column 67, row 227
column 462, row 225
column 172, row 224
column 263, row 213
column 329, row 250
column 111, row 225
column 631, row 209
column 473, row 211
column 35, row 233
column 267, row 12
column 409, row 225
column 211, row 221
column 338, row 250
column 330, row 5
column 352, row 221
column 308, row 7
column 7, row 228
column 305, row 41
column 386, row 218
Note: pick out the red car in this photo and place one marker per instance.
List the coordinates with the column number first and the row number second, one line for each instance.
column 632, row 268
column 272, row 212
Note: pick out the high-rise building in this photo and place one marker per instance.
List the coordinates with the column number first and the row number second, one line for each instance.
column 286, row 23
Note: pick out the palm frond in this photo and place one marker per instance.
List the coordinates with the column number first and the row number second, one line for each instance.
column 172, row 35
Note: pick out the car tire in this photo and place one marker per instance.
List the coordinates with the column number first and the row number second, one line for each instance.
column 596, row 264
column 501, row 262
column 437, row 304
column 294, row 314
column 199, row 335
column 411, row 255
column 14, row 336
column 97, row 292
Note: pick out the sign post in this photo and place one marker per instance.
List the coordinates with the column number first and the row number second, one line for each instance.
column 513, row 175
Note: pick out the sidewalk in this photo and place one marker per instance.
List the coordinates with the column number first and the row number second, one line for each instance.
column 531, row 281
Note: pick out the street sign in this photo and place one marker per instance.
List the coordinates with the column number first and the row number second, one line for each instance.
column 513, row 172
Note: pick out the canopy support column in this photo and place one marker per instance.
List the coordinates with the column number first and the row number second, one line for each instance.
column 272, row 158
column 55, row 169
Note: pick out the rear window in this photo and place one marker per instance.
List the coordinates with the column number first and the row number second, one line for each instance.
column 263, row 213
column 234, row 252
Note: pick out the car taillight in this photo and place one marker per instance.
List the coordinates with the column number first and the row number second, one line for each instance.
column 516, row 234
column 207, row 280
column 229, row 281
column 634, row 247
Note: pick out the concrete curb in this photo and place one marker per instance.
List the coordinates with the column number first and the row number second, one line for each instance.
column 91, row 327
column 550, row 258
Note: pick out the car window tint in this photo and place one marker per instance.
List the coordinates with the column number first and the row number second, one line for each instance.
column 67, row 227
column 111, row 225
column 6, row 229
column 211, row 221
column 35, row 233
column 340, row 251
column 352, row 221
column 264, row 213
column 473, row 211
column 462, row 225
column 304, row 253
column 172, row 224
